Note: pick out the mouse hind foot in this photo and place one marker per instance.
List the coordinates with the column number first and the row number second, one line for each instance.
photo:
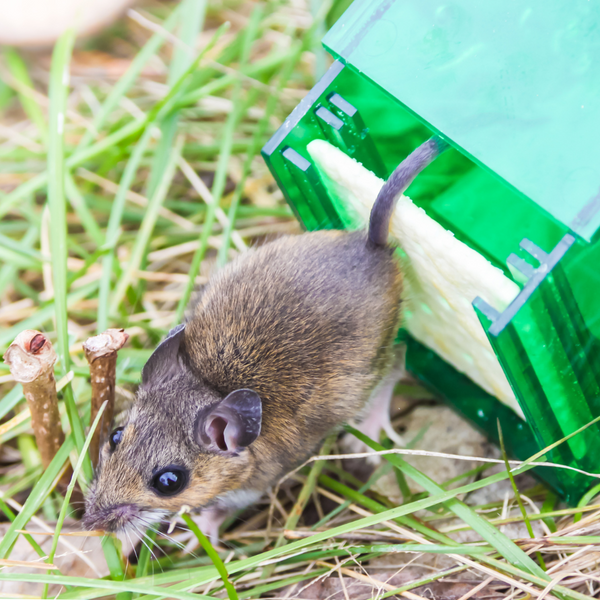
column 377, row 411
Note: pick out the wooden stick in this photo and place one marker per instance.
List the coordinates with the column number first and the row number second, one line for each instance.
column 101, row 354
column 31, row 359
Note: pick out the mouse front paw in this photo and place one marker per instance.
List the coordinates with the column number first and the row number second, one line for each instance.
column 209, row 521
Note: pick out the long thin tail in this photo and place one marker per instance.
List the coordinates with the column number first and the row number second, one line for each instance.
column 395, row 186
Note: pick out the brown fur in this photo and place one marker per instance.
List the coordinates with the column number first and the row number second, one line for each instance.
column 308, row 323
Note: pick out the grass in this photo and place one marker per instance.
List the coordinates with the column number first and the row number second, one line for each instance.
column 119, row 195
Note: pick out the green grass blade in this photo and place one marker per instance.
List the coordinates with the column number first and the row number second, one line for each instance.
column 36, row 497
column 168, row 129
column 160, row 110
column 585, row 499
column 192, row 578
column 115, row 567
column 305, row 494
column 79, row 204
column 506, row 547
column 22, row 249
column 464, row 549
column 45, row 314
column 114, row 224
column 18, row 70
column 376, row 507
column 152, row 46
column 59, row 78
column 253, row 28
column 380, row 472
column 292, row 548
column 175, row 95
column 216, row 559
column 146, row 228
column 11, row 400
column 302, row 499
column 144, row 558
column 10, row 256
column 468, row 474
column 211, row 213
column 267, row 64
column 257, row 141
column 518, row 495
column 33, row 185
column 11, row 517
column 259, row 590
column 175, row 98
column 9, row 270
column 191, row 23
column 103, row 587
column 420, row 582
column 65, row 505
column 192, row 13
column 547, row 507
column 219, row 181
column 558, row 590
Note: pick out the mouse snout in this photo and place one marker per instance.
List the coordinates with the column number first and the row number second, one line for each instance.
column 110, row 519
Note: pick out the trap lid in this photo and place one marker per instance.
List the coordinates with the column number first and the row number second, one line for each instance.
column 514, row 85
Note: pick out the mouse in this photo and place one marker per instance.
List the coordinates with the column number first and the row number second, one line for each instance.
column 285, row 344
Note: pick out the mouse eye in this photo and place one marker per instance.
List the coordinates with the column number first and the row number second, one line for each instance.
column 169, row 481
column 115, row 437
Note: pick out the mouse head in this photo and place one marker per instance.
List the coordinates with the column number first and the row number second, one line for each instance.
column 183, row 445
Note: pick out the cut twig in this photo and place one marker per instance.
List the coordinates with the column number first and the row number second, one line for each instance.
column 101, row 354
column 31, row 359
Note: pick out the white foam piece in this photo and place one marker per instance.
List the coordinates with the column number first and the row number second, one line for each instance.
column 442, row 274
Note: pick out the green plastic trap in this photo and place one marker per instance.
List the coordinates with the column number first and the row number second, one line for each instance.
column 513, row 89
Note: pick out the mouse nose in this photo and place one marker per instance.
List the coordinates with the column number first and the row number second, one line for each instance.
column 110, row 519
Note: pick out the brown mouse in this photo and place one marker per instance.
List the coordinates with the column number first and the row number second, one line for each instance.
column 285, row 344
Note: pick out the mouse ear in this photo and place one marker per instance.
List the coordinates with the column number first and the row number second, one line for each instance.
column 232, row 424
column 164, row 363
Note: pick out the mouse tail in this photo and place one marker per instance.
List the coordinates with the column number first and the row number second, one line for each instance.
column 395, row 186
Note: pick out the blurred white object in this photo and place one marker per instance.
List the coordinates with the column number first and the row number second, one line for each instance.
column 41, row 22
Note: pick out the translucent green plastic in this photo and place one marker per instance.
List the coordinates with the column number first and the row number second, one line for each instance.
column 513, row 84
column 547, row 339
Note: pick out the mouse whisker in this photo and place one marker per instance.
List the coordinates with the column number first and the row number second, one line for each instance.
column 158, row 532
column 177, row 543
column 165, row 521
column 132, row 547
column 144, row 535
column 140, row 535
column 179, row 526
